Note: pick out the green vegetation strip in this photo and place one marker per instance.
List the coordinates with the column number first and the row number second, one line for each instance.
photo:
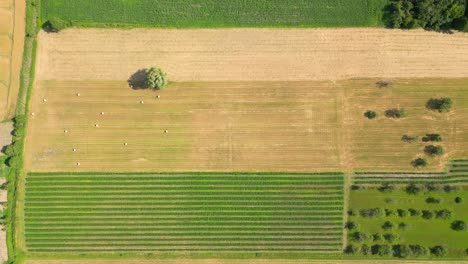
column 151, row 212
column 216, row 13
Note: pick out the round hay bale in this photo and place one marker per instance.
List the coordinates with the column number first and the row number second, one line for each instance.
column 102, row 113
column 65, row 131
column 142, row 102
column 78, row 164
column 45, row 100
column 166, row 131
column 125, row 144
column 78, row 94
column 74, row 150
column 158, row 96
column 96, row 125
column 32, row 113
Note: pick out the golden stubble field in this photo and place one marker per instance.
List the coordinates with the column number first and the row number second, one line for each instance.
column 11, row 52
column 240, row 126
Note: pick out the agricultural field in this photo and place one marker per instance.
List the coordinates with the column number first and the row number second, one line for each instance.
column 251, row 213
column 215, row 13
column 218, row 126
column 430, row 230
column 11, row 48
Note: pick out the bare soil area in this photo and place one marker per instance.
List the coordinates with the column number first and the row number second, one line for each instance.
column 252, row 54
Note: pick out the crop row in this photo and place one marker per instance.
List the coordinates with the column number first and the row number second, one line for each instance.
column 278, row 248
column 188, row 174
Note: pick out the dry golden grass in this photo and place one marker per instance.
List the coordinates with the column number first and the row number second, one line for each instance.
column 5, row 45
column 6, row 21
column 252, row 54
column 240, row 126
column 4, row 70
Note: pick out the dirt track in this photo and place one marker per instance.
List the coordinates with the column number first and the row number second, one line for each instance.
column 252, row 54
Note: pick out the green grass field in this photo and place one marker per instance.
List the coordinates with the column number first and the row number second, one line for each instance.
column 184, row 213
column 420, row 231
column 217, row 13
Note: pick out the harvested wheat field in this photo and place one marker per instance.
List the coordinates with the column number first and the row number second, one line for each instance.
column 240, row 126
column 252, row 54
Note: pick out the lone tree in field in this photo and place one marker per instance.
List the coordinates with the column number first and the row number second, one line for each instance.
column 56, row 24
column 395, row 113
column 370, row 114
column 432, row 137
column 156, row 79
column 459, row 225
column 434, row 150
column 439, row 104
column 419, row 162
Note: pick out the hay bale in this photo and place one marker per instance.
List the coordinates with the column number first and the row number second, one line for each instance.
column 78, row 94
column 96, row 125
column 74, row 150
column 45, row 100
column 158, row 96
column 32, row 113
column 65, row 131
column 78, row 164
column 166, row 131
column 125, row 144
column 102, row 113
column 142, row 102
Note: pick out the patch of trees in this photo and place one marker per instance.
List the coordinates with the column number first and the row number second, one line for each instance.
column 419, row 162
column 57, row 24
column 409, row 139
column 433, row 200
column 432, row 137
column 439, row 104
column 427, row 14
column 413, row 188
column 398, row 250
column 156, row 79
column 434, row 150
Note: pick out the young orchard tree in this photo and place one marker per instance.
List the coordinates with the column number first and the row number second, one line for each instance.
column 419, row 162
column 156, row 79
column 434, row 150
column 443, row 104
column 370, row 114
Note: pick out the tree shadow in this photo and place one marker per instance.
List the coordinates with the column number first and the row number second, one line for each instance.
column 137, row 80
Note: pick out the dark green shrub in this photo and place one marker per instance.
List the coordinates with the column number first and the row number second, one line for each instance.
column 395, row 113
column 390, row 238
column 402, row 251
column 370, row 114
column 432, row 200
column 352, row 212
column 413, row 189
column 418, row 250
column 387, row 225
column 402, row 212
column 355, row 187
column 419, row 162
column 459, row 225
column 391, row 200
column 449, row 188
column 431, row 187
column 439, row 104
column 386, row 188
column 414, row 212
column 403, row 226
column 443, row 214
column 427, row 214
column 351, row 249
column 381, row 250
column 458, row 200
column 351, row 225
column 359, row 237
column 439, row 251
column 432, row 137
column 434, row 150
column 373, row 212
column 377, row 237
column 365, row 249
column 390, row 213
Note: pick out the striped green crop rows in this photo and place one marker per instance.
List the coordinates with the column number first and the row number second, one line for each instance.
column 183, row 212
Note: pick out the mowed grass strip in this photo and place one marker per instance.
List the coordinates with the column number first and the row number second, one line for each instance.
column 187, row 212
column 216, row 13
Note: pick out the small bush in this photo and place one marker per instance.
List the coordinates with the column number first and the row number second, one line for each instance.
column 351, row 225
column 359, row 237
column 390, row 238
column 351, row 250
column 370, row 114
column 377, row 237
column 381, row 250
column 56, row 24
column 419, row 250
column 432, row 200
column 389, row 213
column 459, row 225
column 402, row 212
column 387, row 225
column 439, row 251
column 439, row 104
column 386, row 188
column 432, row 137
column 352, row 212
column 427, row 214
column 449, row 188
column 414, row 212
column 391, row 200
column 395, row 113
column 365, row 249
column 434, row 150
column 444, row 214
column 409, row 139
column 419, row 162
column 430, row 187
column 458, row 200
column 402, row 251
column 403, row 226
column 384, row 84
column 413, row 189
column 374, row 212
column 355, row 187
